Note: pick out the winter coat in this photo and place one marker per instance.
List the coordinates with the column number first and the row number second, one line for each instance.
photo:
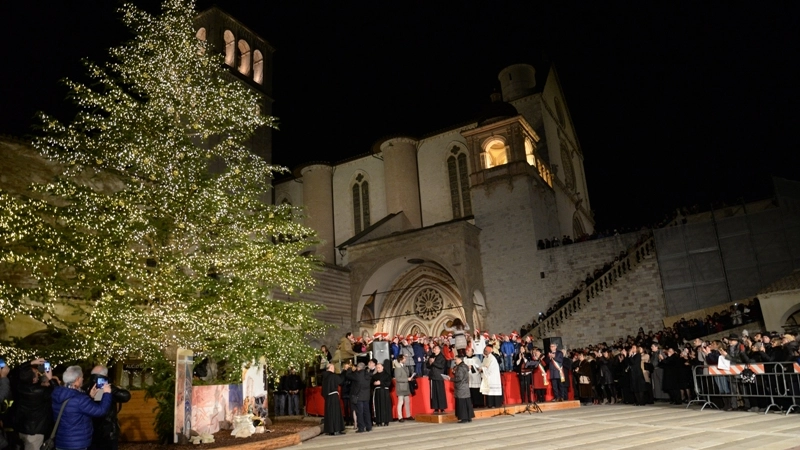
column 461, row 381
column 360, row 384
column 32, row 410
column 401, row 381
column 75, row 430
column 106, row 428
column 672, row 372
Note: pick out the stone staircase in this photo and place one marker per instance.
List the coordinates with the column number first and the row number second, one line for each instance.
column 591, row 292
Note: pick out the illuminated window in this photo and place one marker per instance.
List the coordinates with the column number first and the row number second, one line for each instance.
column 529, row 156
column 201, row 36
column 258, row 67
column 230, row 48
column 244, row 57
column 459, row 184
column 495, row 153
column 360, row 204
column 559, row 112
column 566, row 163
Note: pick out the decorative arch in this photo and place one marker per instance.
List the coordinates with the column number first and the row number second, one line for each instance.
column 258, row 67
column 244, row 57
column 409, row 301
column 495, row 152
column 577, row 226
column 230, row 48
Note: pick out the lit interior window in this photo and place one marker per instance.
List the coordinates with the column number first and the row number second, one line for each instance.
column 230, row 48
column 495, row 153
column 244, row 57
column 258, row 67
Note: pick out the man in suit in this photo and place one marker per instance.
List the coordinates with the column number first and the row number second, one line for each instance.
column 555, row 368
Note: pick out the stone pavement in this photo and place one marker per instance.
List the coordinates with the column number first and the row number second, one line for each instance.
column 594, row 427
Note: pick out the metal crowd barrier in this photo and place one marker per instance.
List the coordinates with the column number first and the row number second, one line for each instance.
column 779, row 383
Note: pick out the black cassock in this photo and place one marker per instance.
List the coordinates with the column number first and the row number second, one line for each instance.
column 381, row 397
column 436, row 369
column 333, row 407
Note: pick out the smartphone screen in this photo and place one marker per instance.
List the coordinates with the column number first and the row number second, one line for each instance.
column 101, row 382
column 47, row 366
column 2, row 363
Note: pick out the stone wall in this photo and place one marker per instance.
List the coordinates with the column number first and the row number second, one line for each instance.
column 566, row 266
column 332, row 291
column 636, row 300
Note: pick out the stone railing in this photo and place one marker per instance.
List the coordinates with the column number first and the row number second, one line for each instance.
column 627, row 264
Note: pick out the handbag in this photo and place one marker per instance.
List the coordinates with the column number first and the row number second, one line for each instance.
column 747, row 376
column 584, row 380
column 50, row 443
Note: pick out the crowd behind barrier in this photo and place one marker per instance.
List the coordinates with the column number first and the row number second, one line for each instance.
column 756, row 373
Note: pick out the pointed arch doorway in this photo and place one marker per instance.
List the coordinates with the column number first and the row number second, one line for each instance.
column 422, row 300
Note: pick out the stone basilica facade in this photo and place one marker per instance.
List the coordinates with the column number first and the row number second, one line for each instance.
column 427, row 229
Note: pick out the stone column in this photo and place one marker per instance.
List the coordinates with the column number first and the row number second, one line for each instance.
column 402, row 178
column 318, row 201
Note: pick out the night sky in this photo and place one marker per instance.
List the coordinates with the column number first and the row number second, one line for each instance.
column 674, row 103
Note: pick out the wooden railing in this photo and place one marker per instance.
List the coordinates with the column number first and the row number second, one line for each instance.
column 605, row 281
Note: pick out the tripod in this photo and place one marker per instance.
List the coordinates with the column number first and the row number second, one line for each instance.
column 504, row 412
column 531, row 406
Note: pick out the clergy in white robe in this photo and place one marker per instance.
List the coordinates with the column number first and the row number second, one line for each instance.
column 491, row 386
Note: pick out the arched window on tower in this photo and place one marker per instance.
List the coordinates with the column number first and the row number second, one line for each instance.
column 258, row 67
column 495, row 153
column 230, row 48
column 458, row 175
column 244, row 57
column 577, row 226
column 360, row 204
column 566, row 164
column 560, row 112
column 201, row 36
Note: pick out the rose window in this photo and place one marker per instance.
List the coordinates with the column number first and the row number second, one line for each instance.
column 428, row 304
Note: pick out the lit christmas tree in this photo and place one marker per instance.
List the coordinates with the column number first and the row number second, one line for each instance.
column 156, row 234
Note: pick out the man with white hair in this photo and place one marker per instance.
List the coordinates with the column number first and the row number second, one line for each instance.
column 75, row 430
column 106, row 428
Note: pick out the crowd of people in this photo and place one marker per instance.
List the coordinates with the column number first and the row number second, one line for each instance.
column 87, row 407
column 636, row 370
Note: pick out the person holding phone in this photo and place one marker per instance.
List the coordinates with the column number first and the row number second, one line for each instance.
column 30, row 412
column 76, row 429
column 106, row 428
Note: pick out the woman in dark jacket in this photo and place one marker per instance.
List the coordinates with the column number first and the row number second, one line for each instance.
column 31, row 412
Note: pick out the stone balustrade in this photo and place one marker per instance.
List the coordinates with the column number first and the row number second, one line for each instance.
column 627, row 264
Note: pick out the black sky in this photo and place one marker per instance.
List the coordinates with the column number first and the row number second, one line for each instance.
column 675, row 103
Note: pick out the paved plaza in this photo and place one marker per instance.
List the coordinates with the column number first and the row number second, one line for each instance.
column 593, row 427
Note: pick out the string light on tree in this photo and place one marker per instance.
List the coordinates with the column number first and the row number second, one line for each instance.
column 138, row 236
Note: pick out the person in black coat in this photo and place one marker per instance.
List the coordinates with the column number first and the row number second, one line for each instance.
column 30, row 413
column 671, row 363
column 360, row 394
column 636, row 373
column 333, row 422
column 106, row 428
column 436, row 364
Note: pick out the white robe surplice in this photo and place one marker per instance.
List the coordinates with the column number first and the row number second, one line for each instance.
column 474, row 378
column 491, row 384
